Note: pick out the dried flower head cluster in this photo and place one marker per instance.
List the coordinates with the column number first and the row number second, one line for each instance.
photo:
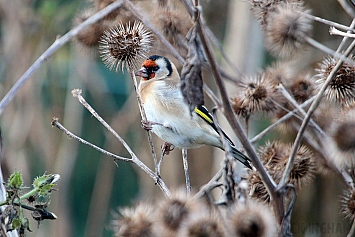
column 251, row 219
column 348, row 204
column 285, row 27
column 274, row 156
column 125, row 45
column 186, row 216
column 342, row 88
column 256, row 94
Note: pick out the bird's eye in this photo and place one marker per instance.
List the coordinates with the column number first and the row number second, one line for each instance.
column 156, row 68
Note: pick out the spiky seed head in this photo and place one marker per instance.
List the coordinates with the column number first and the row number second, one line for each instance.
column 303, row 168
column 173, row 212
column 302, row 88
column 125, row 46
column 239, row 108
column 273, row 154
column 252, row 219
column 286, row 28
column 342, row 88
column 348, row 204
column 203, row 223
column 279, row 72
column 325, row 114
column 258, row 94
column 261, row 9
column 134, row 222
column 342, row 146
column 173, row 23
column 257, row 188
column 90, row 36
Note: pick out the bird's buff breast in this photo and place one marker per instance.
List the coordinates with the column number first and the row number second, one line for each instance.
column 169, row 113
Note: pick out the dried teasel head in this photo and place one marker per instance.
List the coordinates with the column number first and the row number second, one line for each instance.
column 90, row 36
column 260, row 9
column 125, row 46
column 342, row 88
column 274, row 156
column 173, row 23
column 303, row 167
column 258, row 94
column 303, row 87
column 348, row 204
column 286, row 28
column 172, row 212
column 203, row 223
column 252, row 219
column 134, row 222
column 342, row 146
column 239, row 107
column 257, row 189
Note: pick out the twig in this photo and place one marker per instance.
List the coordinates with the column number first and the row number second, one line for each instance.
column 327, row 22
column 281, row 120
column 347, row 8
column 334, row 31
column 314, row 105
column 290, row 98
column 55, row 123
column 327, row 50
column 344, row 40
column 52, row 49
column 144, row 117
column 186, row 170
column 210, row 185
column 158, row 180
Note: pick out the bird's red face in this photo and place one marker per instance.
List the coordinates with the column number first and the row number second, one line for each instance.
column 148, row 69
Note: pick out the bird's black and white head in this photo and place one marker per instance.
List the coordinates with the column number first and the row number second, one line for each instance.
column 156, row 68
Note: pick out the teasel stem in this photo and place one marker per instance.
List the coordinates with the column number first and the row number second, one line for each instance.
column 144, row 117
column 228, row 112
column 77, row 93
column 313, row 107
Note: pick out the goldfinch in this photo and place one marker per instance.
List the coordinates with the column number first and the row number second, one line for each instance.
column 169, row 115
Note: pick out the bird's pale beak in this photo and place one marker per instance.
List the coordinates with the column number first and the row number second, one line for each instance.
column 142, row 72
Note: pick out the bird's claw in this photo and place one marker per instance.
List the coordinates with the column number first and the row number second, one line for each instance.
column 147, row 125
column 167, row 148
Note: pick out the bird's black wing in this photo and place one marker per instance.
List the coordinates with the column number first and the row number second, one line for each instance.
column 202, row 111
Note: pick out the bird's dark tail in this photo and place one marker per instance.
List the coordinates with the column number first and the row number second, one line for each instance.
column 241, row 157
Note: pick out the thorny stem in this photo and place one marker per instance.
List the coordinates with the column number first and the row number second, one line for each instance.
column 135, row 159
column 144, row 117
column 53, row 48
column 228, row 112
column 314, row 105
